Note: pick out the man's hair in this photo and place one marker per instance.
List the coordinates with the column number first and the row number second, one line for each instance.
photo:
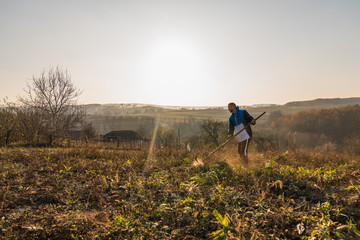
column 232, row 104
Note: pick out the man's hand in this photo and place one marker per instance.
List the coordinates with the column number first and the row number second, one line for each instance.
column 253, row 122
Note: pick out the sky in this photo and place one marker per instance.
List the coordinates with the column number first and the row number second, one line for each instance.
column 184, row 53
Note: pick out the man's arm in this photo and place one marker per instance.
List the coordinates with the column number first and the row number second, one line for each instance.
column 231, row 129
column 249, row 118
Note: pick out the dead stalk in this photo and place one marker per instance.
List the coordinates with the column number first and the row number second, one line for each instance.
column 88, row 199
column 357, row 189
column 3, row 201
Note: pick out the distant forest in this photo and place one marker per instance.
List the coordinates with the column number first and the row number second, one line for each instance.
column 323, row 128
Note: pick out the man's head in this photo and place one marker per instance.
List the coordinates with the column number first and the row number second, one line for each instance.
column 232, row 108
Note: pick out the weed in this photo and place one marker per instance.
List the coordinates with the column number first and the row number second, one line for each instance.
column 223, row 233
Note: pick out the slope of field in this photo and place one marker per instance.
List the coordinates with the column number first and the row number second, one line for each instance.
column 93, row 193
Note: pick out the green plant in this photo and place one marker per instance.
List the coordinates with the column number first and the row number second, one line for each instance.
column 224, row 222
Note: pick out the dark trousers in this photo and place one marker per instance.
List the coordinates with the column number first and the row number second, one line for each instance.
column 243, row 150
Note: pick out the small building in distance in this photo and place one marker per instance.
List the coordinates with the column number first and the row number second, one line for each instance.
column 123, row 136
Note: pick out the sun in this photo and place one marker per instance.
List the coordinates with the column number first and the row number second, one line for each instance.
column 174, row 70
column 172, row 63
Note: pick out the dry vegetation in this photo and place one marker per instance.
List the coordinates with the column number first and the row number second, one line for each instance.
column 95, row 193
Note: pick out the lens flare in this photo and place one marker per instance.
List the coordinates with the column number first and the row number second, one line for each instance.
column 152, row 144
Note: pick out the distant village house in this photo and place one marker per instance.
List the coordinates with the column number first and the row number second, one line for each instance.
column 123, row 136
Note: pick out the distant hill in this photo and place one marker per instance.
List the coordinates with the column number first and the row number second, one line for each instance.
column 137, row 109
column 122, row 109
column 325, row 102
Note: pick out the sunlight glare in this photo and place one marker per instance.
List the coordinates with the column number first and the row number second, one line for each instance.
column 173, row 64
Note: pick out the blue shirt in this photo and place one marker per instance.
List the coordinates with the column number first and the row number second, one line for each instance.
column 241, row 116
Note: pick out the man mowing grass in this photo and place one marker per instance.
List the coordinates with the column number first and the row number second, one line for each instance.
column 237, row 121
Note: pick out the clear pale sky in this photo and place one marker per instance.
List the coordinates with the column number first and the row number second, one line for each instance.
column 185, row 53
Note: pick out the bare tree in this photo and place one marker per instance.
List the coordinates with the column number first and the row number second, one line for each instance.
column 211, row 130
column 31, row 124
column 165, row 137
column 143, row 132
column 8, row 122
column 55, row 96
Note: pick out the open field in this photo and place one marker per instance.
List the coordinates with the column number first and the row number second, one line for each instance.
column 93, row 193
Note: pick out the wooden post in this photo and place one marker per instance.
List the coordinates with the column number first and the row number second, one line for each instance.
column 50, row 139
column 7, row 138
column 178, row 138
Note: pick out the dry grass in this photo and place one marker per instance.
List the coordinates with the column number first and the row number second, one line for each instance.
column 91, row 193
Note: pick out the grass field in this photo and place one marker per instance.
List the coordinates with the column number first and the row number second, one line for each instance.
column 94, row 193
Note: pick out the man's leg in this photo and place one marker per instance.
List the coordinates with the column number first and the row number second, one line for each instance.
column 243, row 151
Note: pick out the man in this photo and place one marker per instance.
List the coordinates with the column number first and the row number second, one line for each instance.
column 237, row 121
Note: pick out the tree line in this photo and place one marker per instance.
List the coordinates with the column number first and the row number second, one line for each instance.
column 49, row 110
column 338, row 127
